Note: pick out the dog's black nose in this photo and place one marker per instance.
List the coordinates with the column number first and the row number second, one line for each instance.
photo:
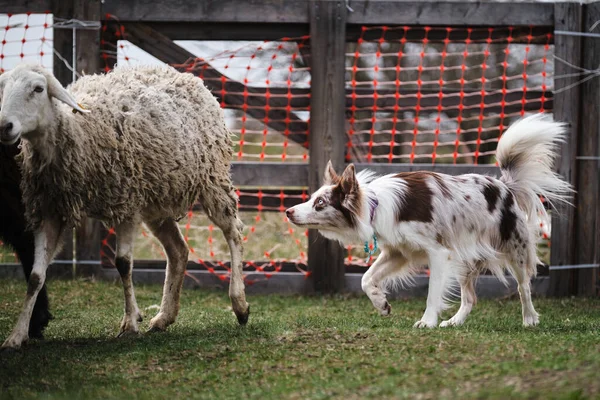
column 289, row 212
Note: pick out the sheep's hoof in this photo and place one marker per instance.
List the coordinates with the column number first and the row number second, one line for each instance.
column 125, row 333
column 39, row 335
column 8, row 350
column 155, row 329
column 243, row 317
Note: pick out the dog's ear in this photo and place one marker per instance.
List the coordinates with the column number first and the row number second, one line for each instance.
column 330, row 177
column 348, row 182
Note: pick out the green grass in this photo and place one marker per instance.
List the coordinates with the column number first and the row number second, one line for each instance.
column 299, row 347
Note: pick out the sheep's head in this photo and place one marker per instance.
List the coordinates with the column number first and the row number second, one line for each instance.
column 26, row 109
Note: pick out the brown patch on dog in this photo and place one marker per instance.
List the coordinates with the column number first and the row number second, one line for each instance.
column 491, row 192
column 440, row 239
column 417, row 205
column 442, row 185
column 508, row 219
column 468, row 197
column 348, row 204
column 330, row 176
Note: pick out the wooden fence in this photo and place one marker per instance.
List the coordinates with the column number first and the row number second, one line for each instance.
column 153, row 25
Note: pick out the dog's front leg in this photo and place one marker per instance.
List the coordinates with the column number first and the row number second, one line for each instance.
column 385, row 267
column 438, row 282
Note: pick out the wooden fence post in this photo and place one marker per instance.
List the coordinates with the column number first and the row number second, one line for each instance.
column 89, row 235
column 568, row 17
column 327, row 132
column 63, row 44
column 587, row 235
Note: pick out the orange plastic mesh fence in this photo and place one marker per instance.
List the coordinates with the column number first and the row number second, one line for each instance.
column 413, row 95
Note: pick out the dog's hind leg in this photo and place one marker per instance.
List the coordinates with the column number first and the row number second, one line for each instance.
column 523, row 276
column 468, row 299
column 439, row 278
column 522, row 258
column 386, row 266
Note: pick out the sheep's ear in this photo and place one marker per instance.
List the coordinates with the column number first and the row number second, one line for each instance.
column 56, row 90
column 330, row 177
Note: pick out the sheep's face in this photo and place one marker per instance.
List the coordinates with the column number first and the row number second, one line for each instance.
column 25, row 104
column 26, row 108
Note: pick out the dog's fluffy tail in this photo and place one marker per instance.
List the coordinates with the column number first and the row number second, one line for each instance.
column 526, row 153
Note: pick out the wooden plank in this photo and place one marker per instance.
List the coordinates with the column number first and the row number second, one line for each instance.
column 587, row 170
column 256, row 11
column 416, row 33
column 327, row 134
column 271, row 200
column 269, row 174
column 26, row 6
column 450, row 169
column 364, row 12
column 164, row 49
column 275, row 31
column 447, row 13
column 228, row 30
column 63, row 42
column 88, row 41
column 278, row 175
column 568, row 17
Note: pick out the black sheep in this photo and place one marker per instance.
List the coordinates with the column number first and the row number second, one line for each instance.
column 13, row 232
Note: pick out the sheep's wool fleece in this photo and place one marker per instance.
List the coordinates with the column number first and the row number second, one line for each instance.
column 154, row 141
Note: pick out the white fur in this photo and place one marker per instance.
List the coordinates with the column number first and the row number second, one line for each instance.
column 534, row 140
column 460, row 226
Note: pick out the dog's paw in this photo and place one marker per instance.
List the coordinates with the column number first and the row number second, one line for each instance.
column 450, row 322
column 424, row 324
column 531, row 320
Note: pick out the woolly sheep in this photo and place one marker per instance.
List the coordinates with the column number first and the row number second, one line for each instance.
column 142, row 144
column 14, row 232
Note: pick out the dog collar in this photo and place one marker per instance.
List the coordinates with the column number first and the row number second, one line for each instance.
column 373, row 205
column 368, row 249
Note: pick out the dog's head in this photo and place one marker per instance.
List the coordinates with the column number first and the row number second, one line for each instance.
column 335, row 209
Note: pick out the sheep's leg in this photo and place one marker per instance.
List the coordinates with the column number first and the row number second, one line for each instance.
column 232, row 227
column 40, row 316
column 46, row 243
column 169, row 235
column 124, row 264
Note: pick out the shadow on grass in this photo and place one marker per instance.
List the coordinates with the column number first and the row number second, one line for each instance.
column 68, row 355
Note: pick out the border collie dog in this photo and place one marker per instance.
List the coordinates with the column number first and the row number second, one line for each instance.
column 458, row 225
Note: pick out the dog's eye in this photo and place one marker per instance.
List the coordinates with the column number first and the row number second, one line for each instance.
column 320, row 202
column 38, row 89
